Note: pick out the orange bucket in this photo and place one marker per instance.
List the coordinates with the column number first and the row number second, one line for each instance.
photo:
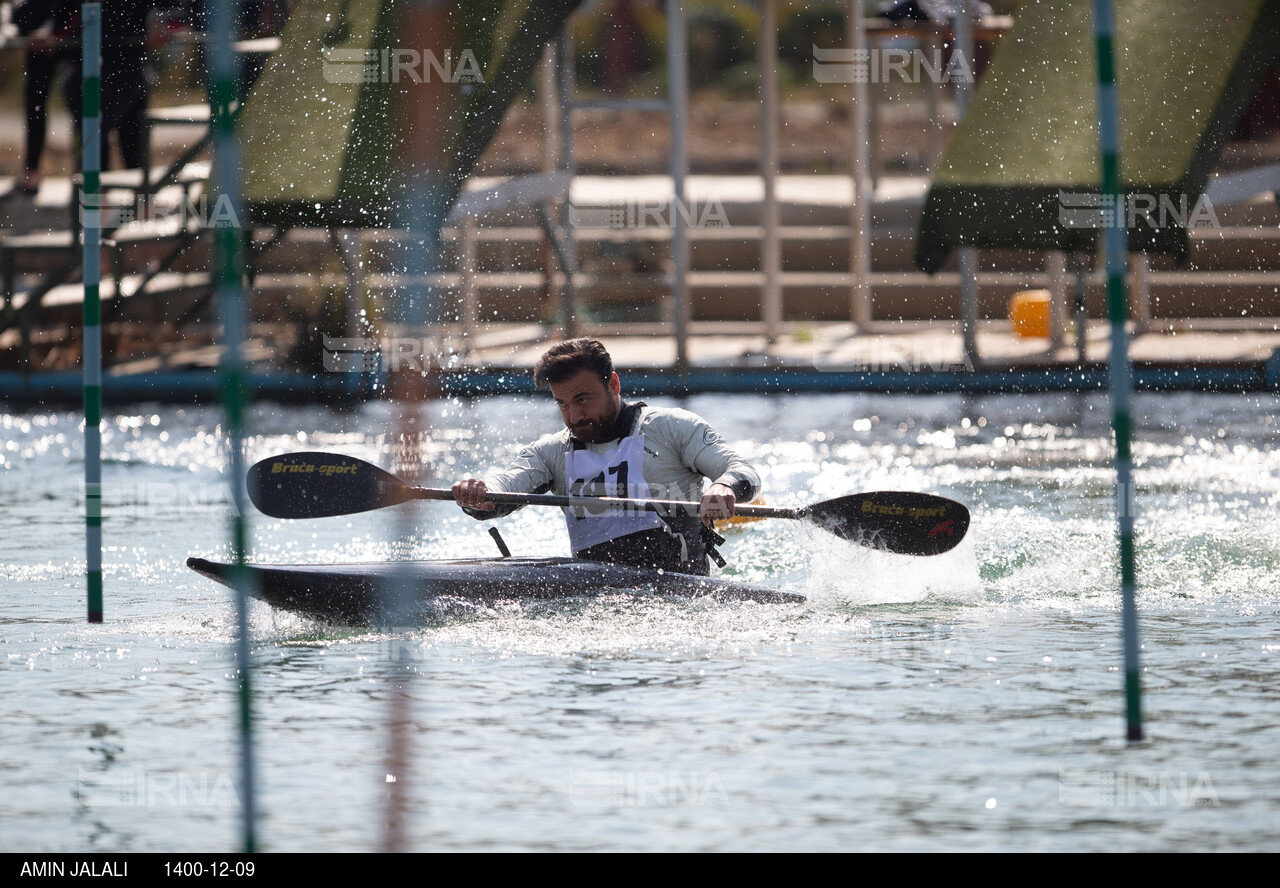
column 1029, row 313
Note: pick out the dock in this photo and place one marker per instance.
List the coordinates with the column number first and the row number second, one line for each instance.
column 904, row 358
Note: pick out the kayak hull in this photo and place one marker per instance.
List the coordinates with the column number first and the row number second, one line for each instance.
column 353, row 593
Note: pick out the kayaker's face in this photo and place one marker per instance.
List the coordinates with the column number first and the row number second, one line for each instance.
column 587, row 405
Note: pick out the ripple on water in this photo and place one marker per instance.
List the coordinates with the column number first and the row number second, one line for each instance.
column 972, row 700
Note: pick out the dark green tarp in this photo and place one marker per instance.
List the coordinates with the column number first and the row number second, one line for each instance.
column 1023, row 167
column 318, row 139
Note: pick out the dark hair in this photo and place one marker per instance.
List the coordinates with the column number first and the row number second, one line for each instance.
column 571, row 357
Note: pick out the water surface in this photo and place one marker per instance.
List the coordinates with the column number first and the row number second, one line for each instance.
column 969, row 701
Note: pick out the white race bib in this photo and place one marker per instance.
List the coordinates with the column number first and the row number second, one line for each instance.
column 617, row 472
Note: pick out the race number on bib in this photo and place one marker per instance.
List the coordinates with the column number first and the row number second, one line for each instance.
column 619, row 473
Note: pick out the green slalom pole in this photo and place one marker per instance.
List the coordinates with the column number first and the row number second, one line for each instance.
column 91, row 163
column 228, row 287
column 1116, row 245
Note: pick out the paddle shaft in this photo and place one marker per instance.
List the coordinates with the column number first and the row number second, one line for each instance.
column 550, row 499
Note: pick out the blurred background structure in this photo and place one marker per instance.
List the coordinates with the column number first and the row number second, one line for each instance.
column 705, row 221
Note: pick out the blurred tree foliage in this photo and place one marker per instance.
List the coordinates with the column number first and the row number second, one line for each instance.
column 722, row 36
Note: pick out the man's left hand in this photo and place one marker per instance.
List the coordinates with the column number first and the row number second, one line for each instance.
column 717, row 504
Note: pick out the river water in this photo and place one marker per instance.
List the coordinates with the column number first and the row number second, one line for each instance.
column 971, row 701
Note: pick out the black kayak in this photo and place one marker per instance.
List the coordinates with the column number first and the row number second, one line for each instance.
column 352, row 593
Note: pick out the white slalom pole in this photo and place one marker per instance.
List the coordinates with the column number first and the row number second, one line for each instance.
column 91, row 221
column 1116, row 246
column 229, row 293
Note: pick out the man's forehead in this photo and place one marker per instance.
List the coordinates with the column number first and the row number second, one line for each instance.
column 584, row 381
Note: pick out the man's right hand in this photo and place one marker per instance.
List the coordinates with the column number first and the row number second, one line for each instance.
column 470, row 493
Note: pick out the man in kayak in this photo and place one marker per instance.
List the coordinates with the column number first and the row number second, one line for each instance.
column 612, row 448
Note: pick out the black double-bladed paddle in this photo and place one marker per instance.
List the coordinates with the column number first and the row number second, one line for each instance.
column 322, row 485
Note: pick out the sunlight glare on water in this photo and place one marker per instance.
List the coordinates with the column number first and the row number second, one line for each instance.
column 966, row 701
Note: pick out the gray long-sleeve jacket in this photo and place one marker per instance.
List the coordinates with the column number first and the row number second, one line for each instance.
column 681, row 449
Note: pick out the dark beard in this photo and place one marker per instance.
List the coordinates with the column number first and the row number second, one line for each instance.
column 596, row 433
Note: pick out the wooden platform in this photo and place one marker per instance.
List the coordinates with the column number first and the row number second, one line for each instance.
column 907, row 345
column 919, row 358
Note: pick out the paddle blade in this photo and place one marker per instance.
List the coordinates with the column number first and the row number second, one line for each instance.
column 896, row 521
column 321, row 485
